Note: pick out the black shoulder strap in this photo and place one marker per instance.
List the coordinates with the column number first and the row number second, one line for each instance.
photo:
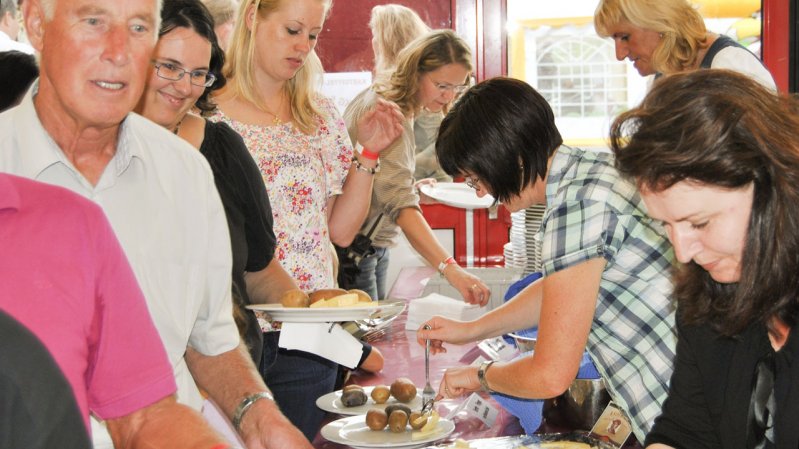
column 721, row 43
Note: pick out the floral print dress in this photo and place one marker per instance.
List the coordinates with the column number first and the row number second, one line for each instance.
column 301, row 173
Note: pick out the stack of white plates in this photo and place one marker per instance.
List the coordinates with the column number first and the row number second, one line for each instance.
column 524, row 249
column 513, row 259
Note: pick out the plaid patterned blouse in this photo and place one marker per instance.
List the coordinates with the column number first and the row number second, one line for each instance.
column 591, row 212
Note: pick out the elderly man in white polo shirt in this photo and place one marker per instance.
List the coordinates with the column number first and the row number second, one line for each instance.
column 75, row 129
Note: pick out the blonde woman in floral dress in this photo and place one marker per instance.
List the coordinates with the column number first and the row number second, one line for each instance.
column 318, row 188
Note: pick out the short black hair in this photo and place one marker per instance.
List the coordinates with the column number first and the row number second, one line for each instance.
column 17, row 72
column 193, row 14
column 502, row 131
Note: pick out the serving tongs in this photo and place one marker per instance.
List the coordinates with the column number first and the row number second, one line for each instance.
column 428, row 393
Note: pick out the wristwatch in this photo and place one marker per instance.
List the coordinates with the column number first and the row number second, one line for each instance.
column 481, row 374
column 245, row 405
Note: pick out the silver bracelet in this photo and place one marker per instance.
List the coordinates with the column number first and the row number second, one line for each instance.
column 359, row 166
column 481, row 375
column 245, row 405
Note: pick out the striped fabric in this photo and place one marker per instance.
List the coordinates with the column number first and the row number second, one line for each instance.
column 591, row 212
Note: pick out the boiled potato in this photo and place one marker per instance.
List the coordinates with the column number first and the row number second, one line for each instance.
column 397, row 421
column 295, row 298
column 326, row 293
column 376, row 419
column 403, row 389
column 353, row 397
column 380, row 394
column 390, row 409
column 362, row 295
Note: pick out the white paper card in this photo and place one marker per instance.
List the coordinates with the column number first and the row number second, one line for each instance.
column 613, row 425
column 328, row 340
column 497, row 349
column 482, row 409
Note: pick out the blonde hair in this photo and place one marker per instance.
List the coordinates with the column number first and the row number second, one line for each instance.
column 393, row 27
column 425, row 54
column 682, row 29
column 240, row 68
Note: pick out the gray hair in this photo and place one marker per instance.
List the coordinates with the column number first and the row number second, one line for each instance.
column 48, row 6
column 8, row 6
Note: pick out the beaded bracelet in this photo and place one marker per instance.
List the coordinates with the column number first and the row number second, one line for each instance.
column 359, row 166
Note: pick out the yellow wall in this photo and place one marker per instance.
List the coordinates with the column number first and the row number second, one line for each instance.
column 727, row 8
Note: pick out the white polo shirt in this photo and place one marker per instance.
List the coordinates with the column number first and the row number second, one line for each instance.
column 8, row 44
column 159, row 195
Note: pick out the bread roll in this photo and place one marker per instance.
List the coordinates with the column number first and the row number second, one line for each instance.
column 295, row 298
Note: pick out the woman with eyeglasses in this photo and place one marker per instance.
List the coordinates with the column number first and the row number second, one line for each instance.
column 187, row 65
column 393, row 27
column 430, row 73
column 716, row 159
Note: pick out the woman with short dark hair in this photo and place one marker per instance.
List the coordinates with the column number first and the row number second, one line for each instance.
column 716, row 158
column 605, row 263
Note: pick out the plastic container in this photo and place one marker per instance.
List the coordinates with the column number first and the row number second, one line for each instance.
column 498, row 280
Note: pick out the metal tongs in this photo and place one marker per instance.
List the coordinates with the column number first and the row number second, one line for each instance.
column 428, row 394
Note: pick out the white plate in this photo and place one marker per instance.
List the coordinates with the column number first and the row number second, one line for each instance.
column 352, row 431
column 457, row 194
column 368, row 311
column 331, row 402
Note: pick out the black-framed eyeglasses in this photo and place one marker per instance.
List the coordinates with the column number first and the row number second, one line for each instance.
column 171, row 72
column 472, row 182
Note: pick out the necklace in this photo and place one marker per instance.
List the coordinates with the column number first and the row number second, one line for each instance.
column 276, row 121
column 177, row 127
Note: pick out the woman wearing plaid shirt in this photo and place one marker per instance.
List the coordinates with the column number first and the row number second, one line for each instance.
column 606, row 265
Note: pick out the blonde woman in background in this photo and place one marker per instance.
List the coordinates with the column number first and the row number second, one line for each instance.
column 224, row 14
column 669, row 36
column 430, row 72
column 393, row 27
column 319, row 190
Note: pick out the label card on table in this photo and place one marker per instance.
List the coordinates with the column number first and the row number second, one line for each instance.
column 328, row 340
column 497, row 349
column 613, row 425
column 480, row 408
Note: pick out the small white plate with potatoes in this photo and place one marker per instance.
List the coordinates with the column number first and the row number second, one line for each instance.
column 328, row 305
column 353, row 431
column 332, row 402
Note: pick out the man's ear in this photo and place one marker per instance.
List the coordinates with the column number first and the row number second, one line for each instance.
column 33, row 14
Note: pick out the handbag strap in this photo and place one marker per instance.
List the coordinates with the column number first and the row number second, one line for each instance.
column 374, row 227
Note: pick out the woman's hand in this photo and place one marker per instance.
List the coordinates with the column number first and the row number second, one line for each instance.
column 424, row 199
column 473, row 290
column 443, row 330
column 458, row 381
column 380, row 126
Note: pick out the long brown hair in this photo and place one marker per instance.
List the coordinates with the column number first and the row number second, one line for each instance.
column 721, row 128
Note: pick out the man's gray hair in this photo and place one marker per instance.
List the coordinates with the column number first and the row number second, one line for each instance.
column 8, row 6
column 49, row 9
